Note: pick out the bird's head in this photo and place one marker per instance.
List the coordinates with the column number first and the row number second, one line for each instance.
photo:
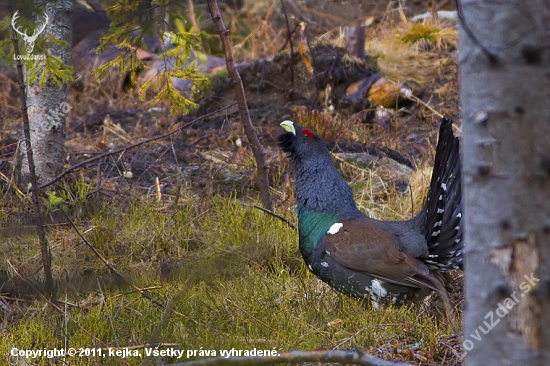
column 300, row 142
column 319, row 188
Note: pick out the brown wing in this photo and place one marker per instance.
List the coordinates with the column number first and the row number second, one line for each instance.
column 366, row 246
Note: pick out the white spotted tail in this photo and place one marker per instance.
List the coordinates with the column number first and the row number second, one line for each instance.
column 442, row 212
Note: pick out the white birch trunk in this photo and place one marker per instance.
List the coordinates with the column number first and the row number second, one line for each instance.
column 505, row 95
column 47, row 107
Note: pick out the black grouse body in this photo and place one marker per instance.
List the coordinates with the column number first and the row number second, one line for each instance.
column 386, row 261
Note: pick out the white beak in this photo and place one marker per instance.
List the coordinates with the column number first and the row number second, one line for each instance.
column 289, row 126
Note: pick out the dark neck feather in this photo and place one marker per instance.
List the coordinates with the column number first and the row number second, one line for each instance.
column 320, row 189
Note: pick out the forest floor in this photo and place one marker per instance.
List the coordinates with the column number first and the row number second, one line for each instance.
column 176, row 216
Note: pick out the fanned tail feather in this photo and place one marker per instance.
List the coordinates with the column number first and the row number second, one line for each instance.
column 442, row 212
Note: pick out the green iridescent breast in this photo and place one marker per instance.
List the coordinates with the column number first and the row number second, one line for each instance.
column 312, row 226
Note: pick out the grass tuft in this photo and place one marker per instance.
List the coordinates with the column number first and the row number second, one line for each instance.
column 330, row 126
column 428, row 35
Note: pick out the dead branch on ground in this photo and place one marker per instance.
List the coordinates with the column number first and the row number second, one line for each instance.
column 343, row 357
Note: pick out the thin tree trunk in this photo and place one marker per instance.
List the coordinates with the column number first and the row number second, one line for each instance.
column 259, row 154
column 354, row 37
column 47, row 106
column 38, row 217
column 505, row 88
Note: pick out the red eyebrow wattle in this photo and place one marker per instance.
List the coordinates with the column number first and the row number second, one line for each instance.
column 307, row 132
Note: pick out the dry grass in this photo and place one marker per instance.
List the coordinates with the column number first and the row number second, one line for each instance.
column 401, row 47
column 263, row 39
column 330, row 126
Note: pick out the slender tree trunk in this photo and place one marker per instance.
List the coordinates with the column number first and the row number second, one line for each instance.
column 47, row 106
column 252, row 137
column 505, row 93
column 355, row 40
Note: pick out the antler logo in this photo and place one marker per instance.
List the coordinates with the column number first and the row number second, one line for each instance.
column 29, row 40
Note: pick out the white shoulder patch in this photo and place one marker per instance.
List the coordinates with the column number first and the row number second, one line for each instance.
column 335, row 228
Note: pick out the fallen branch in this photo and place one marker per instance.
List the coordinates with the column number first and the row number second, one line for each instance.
column 257, row 150
column 418, row 100
column 343, row 357
column 127, row 147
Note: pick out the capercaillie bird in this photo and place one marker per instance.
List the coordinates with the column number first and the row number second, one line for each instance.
column 387, row 261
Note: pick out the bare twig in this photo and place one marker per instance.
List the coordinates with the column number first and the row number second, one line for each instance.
column 442, row 4
column 299, row 13
column 38, row 218
column 257, row 150
column 191, row 9
column 291, row 33
column 412, row 201
column 282, row 218
column 343, row 357
column 289, row 40
column 418, row 100
column 128, row 147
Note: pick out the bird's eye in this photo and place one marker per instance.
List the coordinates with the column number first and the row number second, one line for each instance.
column 307, row 132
